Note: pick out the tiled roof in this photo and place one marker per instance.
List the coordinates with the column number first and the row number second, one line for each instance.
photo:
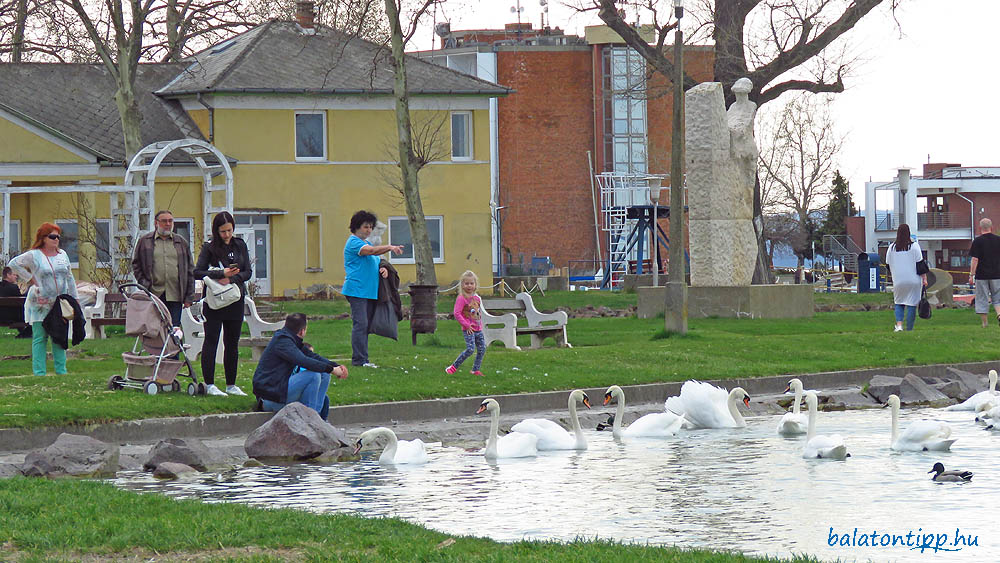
column 77, row 103
column 279, row 57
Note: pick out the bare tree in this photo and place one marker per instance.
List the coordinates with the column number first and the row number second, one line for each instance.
column 409, row 159
column 797, row 162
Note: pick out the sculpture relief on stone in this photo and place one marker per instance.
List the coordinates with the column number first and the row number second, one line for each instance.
column 721, row 162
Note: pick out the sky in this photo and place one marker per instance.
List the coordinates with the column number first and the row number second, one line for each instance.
column 924, row 90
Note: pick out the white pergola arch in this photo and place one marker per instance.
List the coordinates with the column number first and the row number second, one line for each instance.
column 133, row 204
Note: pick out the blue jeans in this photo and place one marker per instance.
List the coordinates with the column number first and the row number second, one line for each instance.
column 911, row 314
column 473, row 342
column 308, row 388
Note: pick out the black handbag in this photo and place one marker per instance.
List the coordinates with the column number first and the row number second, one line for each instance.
column 924, row 307
column 922, row 268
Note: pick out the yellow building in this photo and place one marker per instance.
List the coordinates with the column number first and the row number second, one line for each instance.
column 305, row 120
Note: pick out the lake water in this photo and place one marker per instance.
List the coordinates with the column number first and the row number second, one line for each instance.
column 745, row 489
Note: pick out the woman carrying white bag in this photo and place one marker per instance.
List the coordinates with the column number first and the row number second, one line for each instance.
column 225, row 260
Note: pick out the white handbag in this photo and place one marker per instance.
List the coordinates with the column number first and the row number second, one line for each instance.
column 218, row 295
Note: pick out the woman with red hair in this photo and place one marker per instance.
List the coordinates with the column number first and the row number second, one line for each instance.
column 51, row 274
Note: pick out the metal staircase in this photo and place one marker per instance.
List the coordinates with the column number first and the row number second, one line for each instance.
column 844, row 249
column 619, row 192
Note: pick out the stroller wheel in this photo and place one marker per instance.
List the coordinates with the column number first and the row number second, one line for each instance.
column 151, row 388
column 192, row 389
column 175, row 386
column 202, row 389
column 115, row 382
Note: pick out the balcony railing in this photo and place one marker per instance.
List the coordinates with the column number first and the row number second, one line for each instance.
column 926, row 221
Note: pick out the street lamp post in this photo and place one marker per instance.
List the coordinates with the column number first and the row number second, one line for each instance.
column 675, row 307
column 654, row 198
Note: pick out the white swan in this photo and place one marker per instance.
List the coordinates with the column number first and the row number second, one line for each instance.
column 396, row 451
column 973, row 402
column 653, row 424
column 794, row 422
column 704, row 405
column 919, row 436
column 988, row 412
column 513, row 444
column 551, row 436
column 821, row 447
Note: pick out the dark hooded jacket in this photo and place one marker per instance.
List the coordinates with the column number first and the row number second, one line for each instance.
column 283, row 353
column 388, row 308
column 58, row 328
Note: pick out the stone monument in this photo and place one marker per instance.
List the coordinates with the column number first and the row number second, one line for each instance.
column 721, row 171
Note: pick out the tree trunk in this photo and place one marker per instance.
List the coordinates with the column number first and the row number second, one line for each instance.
column 408, row 165
column 128, row 111
column 17, row 41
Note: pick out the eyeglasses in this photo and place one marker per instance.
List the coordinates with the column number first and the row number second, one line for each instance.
column 53, row 237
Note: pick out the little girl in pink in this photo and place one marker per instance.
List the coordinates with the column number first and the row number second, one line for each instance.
column 468, row 313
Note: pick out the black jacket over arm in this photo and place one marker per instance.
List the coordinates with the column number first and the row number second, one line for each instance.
column 283, row 354
column 58, row 328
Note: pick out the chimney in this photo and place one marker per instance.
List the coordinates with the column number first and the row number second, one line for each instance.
column 305, row 15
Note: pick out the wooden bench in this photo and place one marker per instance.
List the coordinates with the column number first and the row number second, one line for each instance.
column 107, row 310
column 504, row 327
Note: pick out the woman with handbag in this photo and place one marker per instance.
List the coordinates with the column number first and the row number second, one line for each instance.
column 225, row 260
column 51, row 274
column 902, row 257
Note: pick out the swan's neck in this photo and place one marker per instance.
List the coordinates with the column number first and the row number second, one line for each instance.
column 575, row 421
column 735, row 411
column 389, row 453
column 491, row 442
column 812, row 423
column 993, row 384
column 798, row 399
column 895, row 424
column 616, row 428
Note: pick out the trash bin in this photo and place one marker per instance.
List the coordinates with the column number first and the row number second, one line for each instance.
column 869, row 280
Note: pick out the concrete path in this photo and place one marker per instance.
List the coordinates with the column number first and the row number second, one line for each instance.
column 449, row 420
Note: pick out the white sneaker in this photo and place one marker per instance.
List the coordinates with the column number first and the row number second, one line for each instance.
column 898, row 329
column 213, row 390
column 369, row 365
column 234, row 390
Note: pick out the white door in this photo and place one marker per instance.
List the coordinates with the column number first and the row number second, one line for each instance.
column 258, row 242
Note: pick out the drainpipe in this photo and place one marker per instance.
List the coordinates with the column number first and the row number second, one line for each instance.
column 972, row 215
column 211, row 118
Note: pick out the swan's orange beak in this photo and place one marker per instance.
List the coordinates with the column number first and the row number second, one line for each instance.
column 607, row 398
column 586, row 401
column 357, row 447
column 480, row 409
column 787, row 389
column 746, row 400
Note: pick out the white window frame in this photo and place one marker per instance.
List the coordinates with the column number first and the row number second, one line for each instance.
column 469, row 145
column 295, row 139
column 15, row 235
column 398, row 260
column 77, row 223
column 97, row 258
column 305, row 228
column 189, row 221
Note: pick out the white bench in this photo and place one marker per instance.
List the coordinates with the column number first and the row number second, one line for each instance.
column 193, row 325
column 504, row 327
column 95, row 311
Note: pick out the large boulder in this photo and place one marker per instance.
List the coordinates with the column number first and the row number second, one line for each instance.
column 881, row 386
column 171, row 470
column 847, row 399
column 913, row 390
column 970, row 382
column 8, row 470
column 296, row 432
column 72, row 456
column 189, row 451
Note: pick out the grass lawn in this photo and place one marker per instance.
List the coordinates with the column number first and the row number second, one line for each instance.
column 44, row 520
column 605, row 351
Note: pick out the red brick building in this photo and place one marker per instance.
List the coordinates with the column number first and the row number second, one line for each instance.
column 572, row 95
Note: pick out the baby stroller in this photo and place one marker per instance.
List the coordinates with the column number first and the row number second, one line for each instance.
column 157, row 357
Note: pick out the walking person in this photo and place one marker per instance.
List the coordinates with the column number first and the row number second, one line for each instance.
column 469, row 313
column 984, row 270
column 361, row 274
column 225, row 259
column 51, row 274
column 902, row 257
column 163, row 264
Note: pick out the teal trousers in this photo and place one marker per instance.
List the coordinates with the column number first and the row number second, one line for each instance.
column 39, row 338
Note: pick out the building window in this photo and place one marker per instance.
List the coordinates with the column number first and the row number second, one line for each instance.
column 959, row 258
column 625, row 142
column 399, row 233
column 314, row 243
column 14, row 244
column 461, row 135
column 102, row 240
column 185, row 228
column 70, row 240
column 310, row 136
